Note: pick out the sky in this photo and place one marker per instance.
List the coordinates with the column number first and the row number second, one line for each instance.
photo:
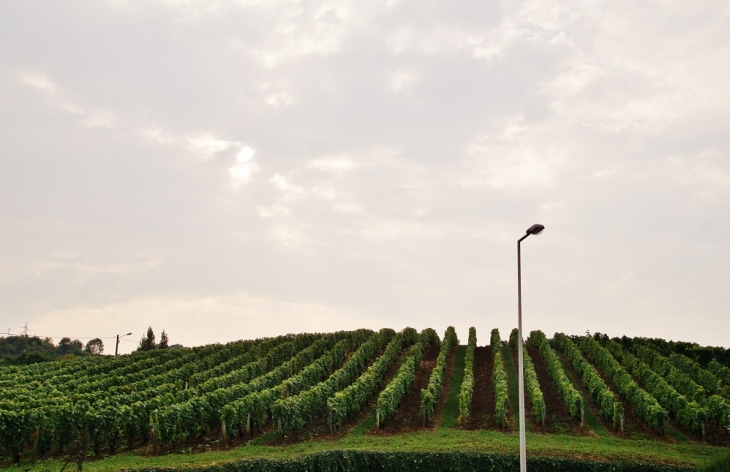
column 230, row 170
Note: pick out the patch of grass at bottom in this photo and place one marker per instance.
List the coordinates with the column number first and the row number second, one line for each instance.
column 679, row 437
column 605, row 449
column 363, row 427
column 451, row 408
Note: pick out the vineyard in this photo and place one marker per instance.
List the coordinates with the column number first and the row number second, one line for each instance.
column 294, row 388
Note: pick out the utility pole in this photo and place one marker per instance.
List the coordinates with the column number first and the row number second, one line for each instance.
column 116, row 349
column 25, row 329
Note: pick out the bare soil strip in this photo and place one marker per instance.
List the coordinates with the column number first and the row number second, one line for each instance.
column 482, row 401
column 408, row 417
column 558, row 418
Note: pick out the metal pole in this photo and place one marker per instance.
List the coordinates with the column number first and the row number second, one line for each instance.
column 116, row 349
column 523, row 446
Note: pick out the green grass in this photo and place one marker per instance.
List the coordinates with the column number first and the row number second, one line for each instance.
column 364, row 426
column 441, row 440
column 451, row 407
column 678, row 436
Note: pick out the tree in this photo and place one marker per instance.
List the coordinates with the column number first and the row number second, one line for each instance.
column 67, row 346
column 164, row 341
column 95, row 346
column 147, row 343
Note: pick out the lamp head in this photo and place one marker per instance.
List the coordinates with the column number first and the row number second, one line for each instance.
column 128, row 334
column 535, row 229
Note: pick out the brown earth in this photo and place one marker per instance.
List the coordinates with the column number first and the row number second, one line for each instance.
column 482, row 401
column 408, row 417
column 558, row 419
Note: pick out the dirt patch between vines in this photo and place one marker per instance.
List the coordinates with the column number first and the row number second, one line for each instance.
column 558, row 418
column 408, row 416
column 438, row 413
column 482, row 401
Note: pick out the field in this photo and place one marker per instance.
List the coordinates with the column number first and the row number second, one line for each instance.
column 373, row 399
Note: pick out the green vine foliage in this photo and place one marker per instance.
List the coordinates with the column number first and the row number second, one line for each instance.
column 645, row 405
column 681, row 382
column 609, row 405
column 722, row 373
column 571, row 397
column 689, row 414
column 719, row 410
column 104, row 401
column 499, row 378
column 205, row 409
column 349, row 401
column 294, row 412
column 467, row 384
column 514, row 338
column 397, row 389
column 704, row 378
column 532, row 385
column 431, row 393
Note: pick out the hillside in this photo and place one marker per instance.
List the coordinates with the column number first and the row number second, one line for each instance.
column 588, row 398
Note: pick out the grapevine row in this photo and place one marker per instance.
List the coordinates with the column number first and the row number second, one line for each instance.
column 645, row 405
column 349, row 401
column 186, row 418
column 397, row 389
column 467, row 385
column 571, row 397
column 689, row 414
column 430, row 394
column 499, row 378
column 675, row 377
column 532, row 385
column 296, row 411
column 254, row 408
column 608, row 403
column 703, row 377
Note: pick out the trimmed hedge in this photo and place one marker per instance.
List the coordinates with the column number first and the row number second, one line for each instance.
column 457, row 461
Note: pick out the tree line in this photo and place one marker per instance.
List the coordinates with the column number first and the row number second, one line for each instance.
column 23, row 349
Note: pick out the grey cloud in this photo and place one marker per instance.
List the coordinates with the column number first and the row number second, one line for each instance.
column 464, row 125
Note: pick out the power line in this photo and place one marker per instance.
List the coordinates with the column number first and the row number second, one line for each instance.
column 70, row 337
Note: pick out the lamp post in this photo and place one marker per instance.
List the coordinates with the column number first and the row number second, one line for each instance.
column 116, row 349
column 534, row 229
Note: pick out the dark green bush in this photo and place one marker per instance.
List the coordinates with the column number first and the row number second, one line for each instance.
column 365, row 461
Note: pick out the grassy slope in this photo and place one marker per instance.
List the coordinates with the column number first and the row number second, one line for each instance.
column 442, row 439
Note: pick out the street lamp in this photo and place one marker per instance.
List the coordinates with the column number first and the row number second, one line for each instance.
column 116, row 349
column 534, row 229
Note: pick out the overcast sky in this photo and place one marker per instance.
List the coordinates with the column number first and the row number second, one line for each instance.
column 227, row 170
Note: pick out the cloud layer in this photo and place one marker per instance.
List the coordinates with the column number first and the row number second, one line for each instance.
column 241, row 169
